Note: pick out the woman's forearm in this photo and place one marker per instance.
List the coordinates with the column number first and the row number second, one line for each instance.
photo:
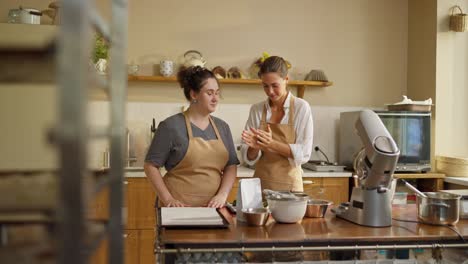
column 156, row 179
column 229, row 176
column 252, row 153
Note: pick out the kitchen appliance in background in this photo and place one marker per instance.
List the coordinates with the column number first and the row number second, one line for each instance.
column 24, row 16
column 371, row 200
column 321, row 165
column 410, row 130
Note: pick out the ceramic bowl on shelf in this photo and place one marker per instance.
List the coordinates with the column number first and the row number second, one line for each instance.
column 316, row 75
column 219, row 72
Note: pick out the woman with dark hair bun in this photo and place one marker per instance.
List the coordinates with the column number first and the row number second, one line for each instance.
column 196, row 148
column 278, row 134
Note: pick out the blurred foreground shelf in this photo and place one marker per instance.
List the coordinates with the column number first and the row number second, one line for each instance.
column 27, row 52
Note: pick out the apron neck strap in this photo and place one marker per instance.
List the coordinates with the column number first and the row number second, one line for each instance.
column 291, row 111
column 215, row 128
column 264, row 114
column 189, row 126
column 187, row 123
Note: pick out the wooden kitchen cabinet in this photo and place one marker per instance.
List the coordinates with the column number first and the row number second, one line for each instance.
column 99, row 256
column 139, row 203
column 131, row 246
column 146, row 246
column 138, row 248
column 99, row 207
column 139, row 233
column 141, row 221
column 335, row 189
column 139, row 200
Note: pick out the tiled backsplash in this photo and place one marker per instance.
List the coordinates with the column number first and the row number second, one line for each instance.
column 140, row 115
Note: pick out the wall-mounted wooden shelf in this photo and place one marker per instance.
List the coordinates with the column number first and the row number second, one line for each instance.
column 301, row 85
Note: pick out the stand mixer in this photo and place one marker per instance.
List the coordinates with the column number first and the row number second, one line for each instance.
column 371, row 200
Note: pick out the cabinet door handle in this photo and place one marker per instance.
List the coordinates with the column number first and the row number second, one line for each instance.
column 307, row 182
column 125, row 182
column 125, row 235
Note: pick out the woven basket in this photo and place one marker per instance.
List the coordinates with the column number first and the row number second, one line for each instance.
column 452, row 166
column 458, row 22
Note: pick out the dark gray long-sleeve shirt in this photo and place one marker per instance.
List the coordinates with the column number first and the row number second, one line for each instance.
column 170, row 143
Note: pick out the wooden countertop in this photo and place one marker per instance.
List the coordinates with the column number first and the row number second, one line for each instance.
column 428, row 175
column 243, row 171
column 317, row 231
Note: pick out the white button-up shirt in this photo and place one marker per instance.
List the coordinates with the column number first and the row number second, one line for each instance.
column 303, row 126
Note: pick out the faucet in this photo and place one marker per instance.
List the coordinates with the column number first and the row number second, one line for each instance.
column 129, row 159
column 153, row 128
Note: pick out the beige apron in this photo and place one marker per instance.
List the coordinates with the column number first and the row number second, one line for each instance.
column 197, row 177
column 275, row 171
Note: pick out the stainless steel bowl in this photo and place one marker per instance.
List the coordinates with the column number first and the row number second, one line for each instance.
column 317, row 207
column 256, row 216
column 438, row 208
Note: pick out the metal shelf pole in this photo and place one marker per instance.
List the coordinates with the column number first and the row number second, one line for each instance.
column 72, row 130
column 72, row 76
column 118, row 94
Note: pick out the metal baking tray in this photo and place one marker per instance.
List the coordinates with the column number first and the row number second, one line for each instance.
column 410, row 107
column 323, row 168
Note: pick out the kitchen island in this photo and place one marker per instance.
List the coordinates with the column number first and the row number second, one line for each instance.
column 314, row 234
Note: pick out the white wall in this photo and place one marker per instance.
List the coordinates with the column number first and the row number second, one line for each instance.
column 452, row 84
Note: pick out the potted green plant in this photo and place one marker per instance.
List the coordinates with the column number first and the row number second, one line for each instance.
column 100, row 53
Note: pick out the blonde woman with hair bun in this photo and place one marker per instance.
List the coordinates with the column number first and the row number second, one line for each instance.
column 278, row 134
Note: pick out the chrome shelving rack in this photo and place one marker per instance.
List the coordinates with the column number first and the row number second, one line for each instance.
column 72, row 132
column 62, row 56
